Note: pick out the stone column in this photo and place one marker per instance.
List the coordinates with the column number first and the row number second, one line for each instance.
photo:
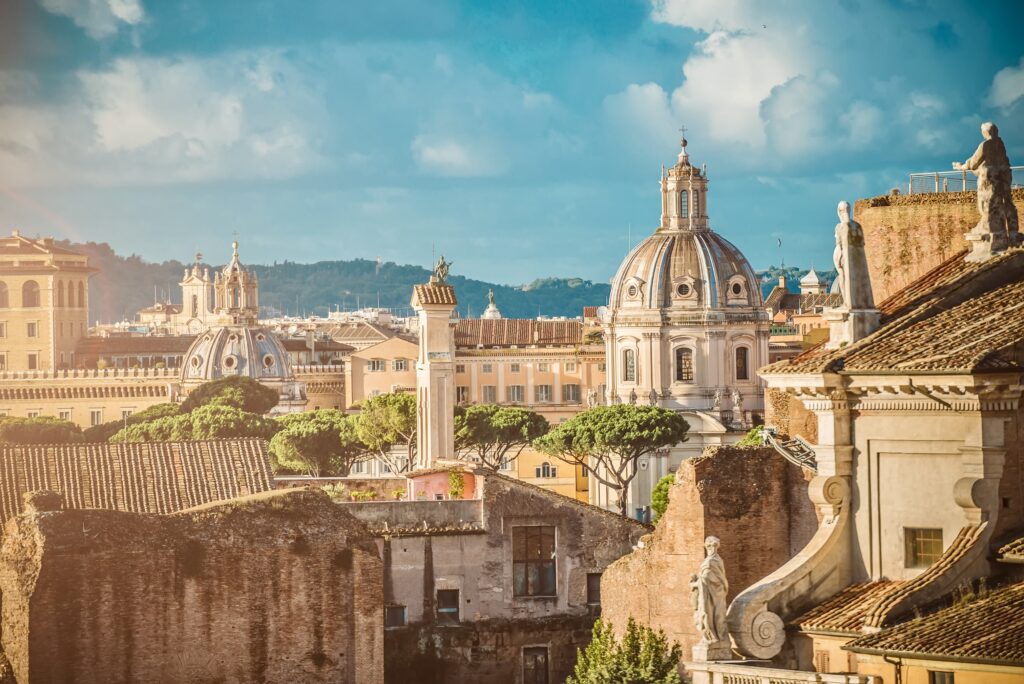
column 435, row 373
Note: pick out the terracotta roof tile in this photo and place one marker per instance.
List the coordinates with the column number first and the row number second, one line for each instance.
column 151, row 477
column 985, row 630
column 169, row 344
column 1013, row 552
column 433, row 293
column 521, row 332
column 846, row 611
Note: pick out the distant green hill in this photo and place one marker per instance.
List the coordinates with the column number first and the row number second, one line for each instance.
column 126, row 284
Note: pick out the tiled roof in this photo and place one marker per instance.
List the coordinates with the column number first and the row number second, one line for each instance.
column 780, row 299
column 1013, row 552
column 162, row 308
column 19, row 244
column 521, row 332
column 150, row 477
column 809, row 302
column 155, row 344
column 956, row 318
column 846, row 611
column 590, row 311
column 433, row 293
column 985, row 630
column 294, row 344
column 360, row 330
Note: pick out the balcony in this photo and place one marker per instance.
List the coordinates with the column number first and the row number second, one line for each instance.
column 954, row 181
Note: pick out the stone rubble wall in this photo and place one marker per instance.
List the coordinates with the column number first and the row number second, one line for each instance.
column 274, row 587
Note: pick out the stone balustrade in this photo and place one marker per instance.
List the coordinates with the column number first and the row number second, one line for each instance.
column 91, row 374
column 738, row 673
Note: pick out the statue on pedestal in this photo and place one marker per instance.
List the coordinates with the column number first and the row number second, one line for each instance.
column 851, row 262
column 591, row 398
column 441, row 270
column 632, row 397
column 652, row 397
column 709, row 588
column 997, row 227
column 716, row 402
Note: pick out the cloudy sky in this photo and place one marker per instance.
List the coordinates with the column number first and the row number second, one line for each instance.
column 523, row 139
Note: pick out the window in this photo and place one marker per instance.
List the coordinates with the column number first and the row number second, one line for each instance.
column 447, row 606
column 32, row 329
column 683, row 290
column 741, row 364
column 684, row 364
column 462, row 394
column 376, row 366
column 543, row 367
column 821, row 661
column 601, row 367
column 358, row 468
column 571, row 393
column 546, row 470
column 5, row 300
column 64, row 415
column 195, row 306
column 30, row 294
column 696, row 202
column 505, row 464
column 81, row 295
column 533, row 561
column 394, row 616
column 400, row 365
column 3, row 329
column 487, row 368
column 535, row 665
column 3, row 361
column 684, row 209
column 737, row 289
column 514, row 394
column 513, row 368
column 923, row 546
column 939, row 677
column 593, row 588
column 33, row 414
column 570, row 366
column 460, row 368
column 629, row 365
column 60, row 294
column 490, row 394
column 33, row 361
column 543, row 393
column 95, row 416
column 375, row 393
column 126, row 413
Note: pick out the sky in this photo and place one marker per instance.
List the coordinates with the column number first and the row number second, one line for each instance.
column 519, row 139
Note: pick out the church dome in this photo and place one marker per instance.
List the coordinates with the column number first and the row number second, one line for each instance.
column 236, row 350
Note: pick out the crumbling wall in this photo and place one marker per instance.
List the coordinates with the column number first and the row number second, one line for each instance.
column 749, row 497
column 274, row 587
column 905, row 236
column 789, row 416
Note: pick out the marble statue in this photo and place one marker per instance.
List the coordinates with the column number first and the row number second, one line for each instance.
column 709, row 588
column 997, row 225
column 632, row 397
column 591, row 398
column 652, row 397
column 490, row 298
column 737, row 402
column 851, row 262
column 441, row 270
column 717, row 401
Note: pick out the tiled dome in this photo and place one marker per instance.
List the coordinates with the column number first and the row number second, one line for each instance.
column 236, row 350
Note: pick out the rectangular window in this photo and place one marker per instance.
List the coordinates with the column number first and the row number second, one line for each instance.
column 923, row 546
column 376, row 365
column 742, row 373
column 602, row 367
column 684, row 209
column 593, row 588
column 570, row 367
column 3, row 329
column 490, row 393
column 535, row 665
column 543, row 393
column 462, row 394
column 394, row 616
column 95, row 416
column 358, row 468
column 543, row 367
column 940, row 677
column 447, row 606
column 64, row 415
column 33, row 414
column 571, row 393
column 3, row 361
column 513, row 368
column 487, row 368
column 33, row 361
column 821, row 661
column 400, row 365
column 684, row 364
column 514, row 394
column 460, row 368
column 33, row 329
column 533, row 561
column 545, row 470
column 125, row 413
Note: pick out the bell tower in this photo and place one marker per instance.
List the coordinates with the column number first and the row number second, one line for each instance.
column 196, row 294
column 684, row 191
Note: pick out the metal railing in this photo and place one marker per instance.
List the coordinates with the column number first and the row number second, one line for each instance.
column 953, row 181
column 794, row 450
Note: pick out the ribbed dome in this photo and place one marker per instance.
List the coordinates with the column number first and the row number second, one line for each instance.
column 236, row 350
column 685, row 269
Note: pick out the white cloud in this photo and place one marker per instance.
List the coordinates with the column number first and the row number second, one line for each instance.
column 795, row 116
column 643, row 110
column 1007, row 86
column 713, row 15
column 451, row 157
column 99, row 18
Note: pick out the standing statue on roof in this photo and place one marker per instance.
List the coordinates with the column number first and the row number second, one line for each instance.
column 851, row 262
column 441, row 270
column 709, row 588
column 998, row 222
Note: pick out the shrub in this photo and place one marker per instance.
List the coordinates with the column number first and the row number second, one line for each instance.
column 643, row 656
column 237, row 391
column 39, row 430
column 659, row 497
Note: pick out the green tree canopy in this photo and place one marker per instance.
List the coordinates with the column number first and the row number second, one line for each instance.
column 388, row 421
column 659, row 496
column 317, row 443
column 610, row 440
column 39, row 430
column 104, row 431
column 238, row 391
column 643, row 656
column 214, row 421
column 496, row 434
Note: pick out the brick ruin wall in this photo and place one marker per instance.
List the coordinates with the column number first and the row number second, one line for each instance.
column 789, row 416
column 279, row 586
column 750, row 497
column 906, row 236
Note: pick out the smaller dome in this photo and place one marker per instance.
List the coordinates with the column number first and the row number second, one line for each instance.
column 236, row 350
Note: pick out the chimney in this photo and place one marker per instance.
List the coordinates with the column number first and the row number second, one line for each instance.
column 782, row 281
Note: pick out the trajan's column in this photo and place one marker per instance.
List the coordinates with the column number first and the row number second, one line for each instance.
column 435, row 372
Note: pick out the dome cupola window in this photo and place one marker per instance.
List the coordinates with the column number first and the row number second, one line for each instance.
column 684, row 209
column 230, row 362
column 683, row 290
column 268, row 361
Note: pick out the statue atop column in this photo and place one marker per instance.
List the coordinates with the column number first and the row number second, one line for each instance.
column 441, row 270
column 997, row 227
column 857, row 316
column 709, row 589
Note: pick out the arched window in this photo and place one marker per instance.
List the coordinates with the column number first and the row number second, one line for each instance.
column 629, row 365
column 684, row 204
column 684, row 364
column 195, row 306
column 81, row 295
column 742, row 368
column 30, row 294
column 236, row 297
column 4, row 297
column 60, row 294
column 696, row 202
column 546, row 470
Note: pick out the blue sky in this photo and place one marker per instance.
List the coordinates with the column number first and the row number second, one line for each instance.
column 522, row 139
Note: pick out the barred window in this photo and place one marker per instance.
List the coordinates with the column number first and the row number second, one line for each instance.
column 533, row 560
column 923, row 546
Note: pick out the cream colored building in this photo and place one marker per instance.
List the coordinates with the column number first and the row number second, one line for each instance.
column 44, row 303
